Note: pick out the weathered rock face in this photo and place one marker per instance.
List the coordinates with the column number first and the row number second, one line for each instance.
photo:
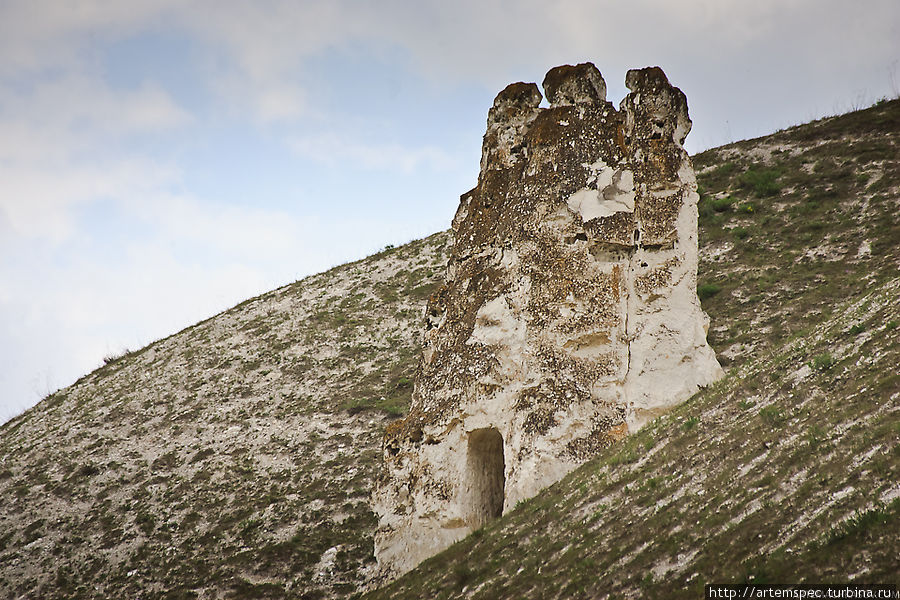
column 569, row 317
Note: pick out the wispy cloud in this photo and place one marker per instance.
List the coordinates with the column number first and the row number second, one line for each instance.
column 335, row 150
column 60, row 116
column 38, row 200
column 60, row 149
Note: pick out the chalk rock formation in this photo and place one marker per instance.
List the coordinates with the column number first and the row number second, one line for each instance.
column 569, row 316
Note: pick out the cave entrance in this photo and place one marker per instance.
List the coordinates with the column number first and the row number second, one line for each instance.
column 485, row 466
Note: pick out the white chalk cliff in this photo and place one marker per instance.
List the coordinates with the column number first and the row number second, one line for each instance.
column 569, row 317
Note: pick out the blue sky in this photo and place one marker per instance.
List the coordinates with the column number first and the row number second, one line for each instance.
column 161, row 161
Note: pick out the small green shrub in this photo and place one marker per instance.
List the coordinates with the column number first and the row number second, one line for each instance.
column 860, row 523
column 857, row 329
column 815, row 435
column 145, row 522
column 623, row 457
column 88, row 470
column 772, row 415
column 762, row 181
column 826, row 165
column 822, row 362
column 690, row 423
column 740, row 233
column 722, row 204
column 707, row 290
column 723, row 170
column 423, row 291
column 462, row 574
column 116, row 356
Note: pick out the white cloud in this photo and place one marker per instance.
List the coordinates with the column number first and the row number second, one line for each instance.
column 59, row 149
column 44, row 34
column 280, row 102
column 75, row 111
column 39, row 200
column 335, row 150
column 231, row 232
column 261, row 48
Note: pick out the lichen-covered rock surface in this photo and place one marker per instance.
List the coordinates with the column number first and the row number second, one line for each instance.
column 569, row 316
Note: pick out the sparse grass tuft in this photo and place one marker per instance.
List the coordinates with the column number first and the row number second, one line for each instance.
column 862, row 522
column 690, row 423
column 772, row 416
column 116, row 356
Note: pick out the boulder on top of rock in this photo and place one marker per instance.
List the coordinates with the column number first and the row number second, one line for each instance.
column 580, row 84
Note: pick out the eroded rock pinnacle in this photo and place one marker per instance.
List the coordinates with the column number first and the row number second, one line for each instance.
column 569, row 316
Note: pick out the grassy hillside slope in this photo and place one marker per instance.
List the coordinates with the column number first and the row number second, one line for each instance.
column 234, row 459
column 231, row 460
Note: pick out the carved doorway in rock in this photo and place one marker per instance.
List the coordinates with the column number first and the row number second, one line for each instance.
column 485, row 467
